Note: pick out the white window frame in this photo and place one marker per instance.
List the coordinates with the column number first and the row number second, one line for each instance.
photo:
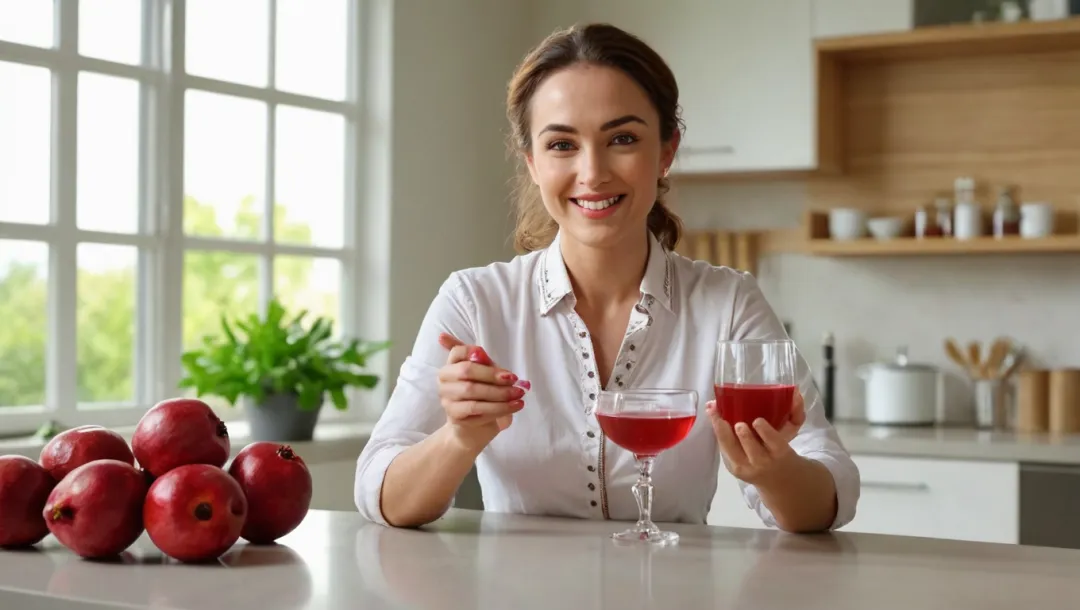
column 160, row 239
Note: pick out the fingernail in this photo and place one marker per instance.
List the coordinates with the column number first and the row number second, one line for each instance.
column 517, row 392
column 517, row 404
column 507, row 377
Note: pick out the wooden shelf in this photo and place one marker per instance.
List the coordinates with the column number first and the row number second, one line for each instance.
column 957, row 40
column 909, row 246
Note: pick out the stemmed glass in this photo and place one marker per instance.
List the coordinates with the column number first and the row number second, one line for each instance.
column 755, row 378
column 646, row 422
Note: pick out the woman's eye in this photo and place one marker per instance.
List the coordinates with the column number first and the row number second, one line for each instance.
column 624, row 139
column 560, row 145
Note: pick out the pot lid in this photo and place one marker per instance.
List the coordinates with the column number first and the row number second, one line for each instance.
column 902, row 363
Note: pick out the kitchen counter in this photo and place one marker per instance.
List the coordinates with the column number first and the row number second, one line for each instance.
column 959, row 443
column 478, row 560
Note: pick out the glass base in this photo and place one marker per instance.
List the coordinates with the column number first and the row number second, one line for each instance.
column 647, row 533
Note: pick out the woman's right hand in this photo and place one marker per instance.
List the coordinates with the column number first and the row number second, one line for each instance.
column 479, row 398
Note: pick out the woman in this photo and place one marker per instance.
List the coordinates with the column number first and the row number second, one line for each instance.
column 599, row 300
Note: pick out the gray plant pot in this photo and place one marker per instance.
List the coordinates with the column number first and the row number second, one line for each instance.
column 279, row 418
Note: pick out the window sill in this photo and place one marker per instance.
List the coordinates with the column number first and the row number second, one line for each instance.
column 333, row 442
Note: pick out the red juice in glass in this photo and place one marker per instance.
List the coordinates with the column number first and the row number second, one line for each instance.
column 747, row 402
column 646, row 433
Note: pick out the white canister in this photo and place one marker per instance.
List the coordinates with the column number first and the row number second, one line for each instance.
column 847, row 223
column 901, row 392
column 1045, row 10
column 967, row 221
column 1036, row 220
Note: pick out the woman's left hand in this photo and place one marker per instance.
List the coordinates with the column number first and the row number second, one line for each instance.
column 752, row 457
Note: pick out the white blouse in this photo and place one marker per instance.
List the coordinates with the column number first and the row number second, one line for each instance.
column 553, row 459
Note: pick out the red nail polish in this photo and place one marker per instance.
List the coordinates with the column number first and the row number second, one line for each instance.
column 507, row 377
column 524, row 384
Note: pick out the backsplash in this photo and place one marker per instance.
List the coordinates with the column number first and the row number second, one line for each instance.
column 874, row 305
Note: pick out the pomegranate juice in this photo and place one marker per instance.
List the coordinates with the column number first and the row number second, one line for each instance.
column 646, row 433
column 745, row 403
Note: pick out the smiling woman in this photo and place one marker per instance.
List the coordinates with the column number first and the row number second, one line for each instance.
column 615, row 112
column 598, row 301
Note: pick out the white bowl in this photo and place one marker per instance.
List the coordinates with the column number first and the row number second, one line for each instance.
column 886, row 227
column 846, row 223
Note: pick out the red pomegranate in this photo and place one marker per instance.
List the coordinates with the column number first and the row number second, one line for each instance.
column 195, row 512
column 277, row 484
column 178, row 432
column 73, row 448
column 96, row 510
column 24, row 489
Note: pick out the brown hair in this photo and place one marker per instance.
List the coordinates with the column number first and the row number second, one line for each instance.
column 600, row 44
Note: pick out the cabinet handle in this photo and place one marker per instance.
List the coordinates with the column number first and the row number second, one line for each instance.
column 894, row 486
column 723, row 150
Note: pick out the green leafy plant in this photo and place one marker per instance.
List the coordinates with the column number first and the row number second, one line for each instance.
column 277, row 354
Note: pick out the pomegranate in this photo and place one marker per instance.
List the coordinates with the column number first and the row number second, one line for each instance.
column 96, row 510
column 178, row 432
column 73, row 448
column 24, row 488
column 277, row 485
column 479, row 356
column 195, row 512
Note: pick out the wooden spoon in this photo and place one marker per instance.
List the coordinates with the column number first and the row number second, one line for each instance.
column 954, row 353
column 998, row 351
column 974, row 359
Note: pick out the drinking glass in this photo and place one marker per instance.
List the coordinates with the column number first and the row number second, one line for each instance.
column 646, row 422
column 755, row 378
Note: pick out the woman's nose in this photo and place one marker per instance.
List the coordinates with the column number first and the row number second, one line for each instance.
column 593, row 167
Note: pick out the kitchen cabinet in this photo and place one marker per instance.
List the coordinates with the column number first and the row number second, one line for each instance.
column 745, row 75
column 935, row 498
column 857, row 17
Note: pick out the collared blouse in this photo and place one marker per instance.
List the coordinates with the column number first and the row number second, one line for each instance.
column 554, row 460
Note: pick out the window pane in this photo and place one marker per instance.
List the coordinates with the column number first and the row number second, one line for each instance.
column 108, row 176
column 27, row 22
column 309, row 177
column 217, row 283
column 24, row 268
column 314, row 284
column 111, row 29
column 228, row 40
column 105, row 323
column 224, row 165
column 311, row 47
column 25, row 134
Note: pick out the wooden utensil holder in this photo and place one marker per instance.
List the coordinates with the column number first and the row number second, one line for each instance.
column 1064, row 399
column 1033, row 401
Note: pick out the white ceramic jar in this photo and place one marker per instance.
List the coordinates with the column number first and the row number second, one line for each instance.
column 967, row 221
column 1036, row 220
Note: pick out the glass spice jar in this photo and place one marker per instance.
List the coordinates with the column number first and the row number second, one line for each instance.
column 926, row 223
column 944, row 216
column 1007, row 214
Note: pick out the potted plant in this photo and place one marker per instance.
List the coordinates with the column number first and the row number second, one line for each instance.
column 282, row 370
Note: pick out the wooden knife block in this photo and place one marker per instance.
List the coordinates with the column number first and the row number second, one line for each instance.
column 735, row 249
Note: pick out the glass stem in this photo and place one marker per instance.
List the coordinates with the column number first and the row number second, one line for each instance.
column 643, row 491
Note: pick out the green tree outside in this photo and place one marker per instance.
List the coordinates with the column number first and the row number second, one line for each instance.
column 214, row 283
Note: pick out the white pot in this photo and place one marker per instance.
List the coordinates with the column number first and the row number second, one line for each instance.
column 901, row 392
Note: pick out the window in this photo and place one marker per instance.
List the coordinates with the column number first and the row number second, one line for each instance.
column 147, row 187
